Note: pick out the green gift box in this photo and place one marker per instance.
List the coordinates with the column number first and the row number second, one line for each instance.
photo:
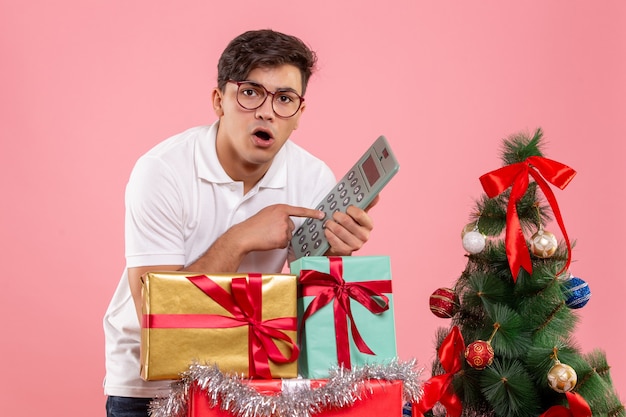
column 345, row 312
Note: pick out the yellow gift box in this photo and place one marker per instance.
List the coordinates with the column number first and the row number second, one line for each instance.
column 243, row 323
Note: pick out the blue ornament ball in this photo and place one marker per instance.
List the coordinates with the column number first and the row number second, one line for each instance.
column 577, row 292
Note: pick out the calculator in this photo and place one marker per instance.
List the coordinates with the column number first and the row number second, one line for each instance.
column 357, row 188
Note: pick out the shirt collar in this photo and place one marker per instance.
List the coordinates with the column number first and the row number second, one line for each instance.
column 210, row 169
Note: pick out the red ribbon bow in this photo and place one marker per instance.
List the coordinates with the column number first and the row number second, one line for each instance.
column 439, row 388
column 328, row 287
column 245, row 304
column 516, row 175
column 578, row 407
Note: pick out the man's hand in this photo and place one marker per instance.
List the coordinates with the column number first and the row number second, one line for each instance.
column 272, row 227
column 348, row 232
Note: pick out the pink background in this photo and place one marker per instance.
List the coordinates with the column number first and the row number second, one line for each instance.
column 88, row 86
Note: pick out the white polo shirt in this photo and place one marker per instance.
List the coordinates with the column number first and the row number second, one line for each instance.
column 179, row 200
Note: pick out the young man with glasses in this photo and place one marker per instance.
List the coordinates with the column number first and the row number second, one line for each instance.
column 222, row 198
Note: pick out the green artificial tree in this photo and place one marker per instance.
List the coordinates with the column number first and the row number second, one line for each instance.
column 509, row 350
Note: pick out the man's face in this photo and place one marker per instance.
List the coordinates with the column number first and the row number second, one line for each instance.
column 248, row 140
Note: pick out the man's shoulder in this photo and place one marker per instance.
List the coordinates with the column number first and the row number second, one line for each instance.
column 173, row 157
column 182, row 142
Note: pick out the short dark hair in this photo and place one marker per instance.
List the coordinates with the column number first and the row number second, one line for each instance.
column 264, row 48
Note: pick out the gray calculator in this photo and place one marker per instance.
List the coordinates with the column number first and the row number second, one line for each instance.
column 358, row 188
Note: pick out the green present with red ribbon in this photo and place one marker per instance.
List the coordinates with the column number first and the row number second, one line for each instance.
column 345, row 312
column 243, row 323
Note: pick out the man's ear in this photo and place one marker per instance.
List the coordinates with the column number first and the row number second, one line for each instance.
column 216, row 96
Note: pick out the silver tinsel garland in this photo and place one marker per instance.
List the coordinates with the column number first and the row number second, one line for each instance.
column 343, row 388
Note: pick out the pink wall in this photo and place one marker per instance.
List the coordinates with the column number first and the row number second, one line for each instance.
column 87, row 86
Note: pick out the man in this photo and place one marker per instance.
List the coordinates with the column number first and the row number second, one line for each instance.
column 222, row 198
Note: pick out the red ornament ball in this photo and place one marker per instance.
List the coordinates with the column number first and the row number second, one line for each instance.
column 479, row 354
column 443, row 303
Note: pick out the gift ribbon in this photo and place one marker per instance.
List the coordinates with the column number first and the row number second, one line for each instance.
column 439, row 388
column 245, row 305
column 516, row 175
column 327, row 287
column 578, row 407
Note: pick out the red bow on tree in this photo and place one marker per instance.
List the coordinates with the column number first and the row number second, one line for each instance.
column 516, row 176
column 439, row 388
column 578, row 407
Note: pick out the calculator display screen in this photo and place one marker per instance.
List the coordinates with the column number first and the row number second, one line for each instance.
column 370, row 170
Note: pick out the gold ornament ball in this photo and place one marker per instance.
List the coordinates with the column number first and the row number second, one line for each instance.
column 543, row 244
column 470, row 227
column 562, row 378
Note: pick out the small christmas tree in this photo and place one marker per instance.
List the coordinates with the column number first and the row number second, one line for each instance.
column 515, row 306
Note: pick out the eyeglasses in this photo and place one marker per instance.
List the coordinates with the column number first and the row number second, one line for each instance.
column 251, row 96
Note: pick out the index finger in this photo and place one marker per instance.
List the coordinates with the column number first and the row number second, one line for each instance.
column 297, row 211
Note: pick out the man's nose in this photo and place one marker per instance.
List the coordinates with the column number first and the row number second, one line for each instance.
column 266, row 110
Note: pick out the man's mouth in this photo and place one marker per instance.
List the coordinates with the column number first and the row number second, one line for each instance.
column 262, row 135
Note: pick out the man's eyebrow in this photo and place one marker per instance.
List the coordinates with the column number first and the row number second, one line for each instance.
column 282, row 89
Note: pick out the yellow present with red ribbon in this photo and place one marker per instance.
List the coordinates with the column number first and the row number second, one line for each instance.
column 345, row 312
column 243, row 323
